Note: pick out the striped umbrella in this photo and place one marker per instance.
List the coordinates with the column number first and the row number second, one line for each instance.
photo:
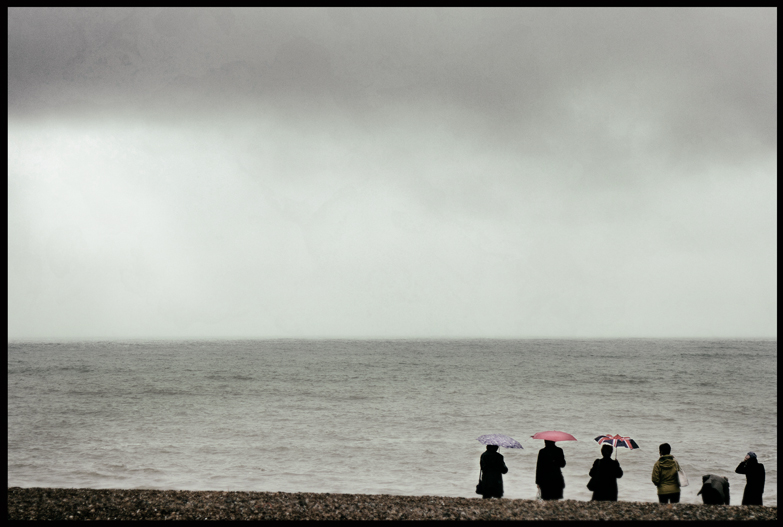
column 615, row 441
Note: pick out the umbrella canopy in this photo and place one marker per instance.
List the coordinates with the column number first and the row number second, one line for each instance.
column 554, row 435
column 499, row 440
column 616, row 440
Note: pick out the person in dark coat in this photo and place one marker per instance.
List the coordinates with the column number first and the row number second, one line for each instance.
column 714, row 490
column 549, row 478
column 755, row 475
column 492, row 469
column 605, row 473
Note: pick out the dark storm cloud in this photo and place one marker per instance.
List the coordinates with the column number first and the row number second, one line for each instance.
column 702, row 77
column 370, row 172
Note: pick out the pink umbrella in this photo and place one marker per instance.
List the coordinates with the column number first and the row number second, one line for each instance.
column 554, row 435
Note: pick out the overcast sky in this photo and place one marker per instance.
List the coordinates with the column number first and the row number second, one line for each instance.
column 187, row 173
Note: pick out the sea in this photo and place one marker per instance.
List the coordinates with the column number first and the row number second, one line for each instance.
column 397, row 417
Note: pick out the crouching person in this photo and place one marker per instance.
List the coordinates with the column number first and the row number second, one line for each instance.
column 714, row 490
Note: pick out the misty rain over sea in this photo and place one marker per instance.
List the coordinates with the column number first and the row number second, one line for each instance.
column 382, row 416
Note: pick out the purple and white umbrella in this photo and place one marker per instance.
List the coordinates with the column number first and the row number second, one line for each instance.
column 499, row 440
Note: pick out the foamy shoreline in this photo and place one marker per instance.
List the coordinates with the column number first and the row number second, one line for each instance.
column 121, row 504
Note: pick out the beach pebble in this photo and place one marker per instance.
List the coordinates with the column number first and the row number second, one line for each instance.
column 122, row 504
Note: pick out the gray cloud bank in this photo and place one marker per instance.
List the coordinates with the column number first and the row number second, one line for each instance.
column 694, row 76
column 392, row 172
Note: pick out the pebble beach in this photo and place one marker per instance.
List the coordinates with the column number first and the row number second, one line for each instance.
column 141, row 504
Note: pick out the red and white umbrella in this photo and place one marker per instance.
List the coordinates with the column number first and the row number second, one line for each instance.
column 554, row 435
column 616, row 440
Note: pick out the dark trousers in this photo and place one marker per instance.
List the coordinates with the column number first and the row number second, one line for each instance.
column 551, row 493
column 666, row 498
column 751, row 498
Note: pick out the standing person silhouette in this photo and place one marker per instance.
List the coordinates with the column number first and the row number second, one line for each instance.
column 605, row 472
column 664, row 476
column 755, row 476
column 549, row 478
column 492, row 469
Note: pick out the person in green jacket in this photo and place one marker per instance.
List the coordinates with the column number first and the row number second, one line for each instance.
column 664, row 476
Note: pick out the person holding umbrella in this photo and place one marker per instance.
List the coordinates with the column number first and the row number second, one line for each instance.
column 492, row 469
column 604, row 476
column 549, row 477
column 492, row 465
column 755, row 475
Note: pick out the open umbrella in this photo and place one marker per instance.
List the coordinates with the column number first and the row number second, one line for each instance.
column 554, row 435
column 499, row 440
column 616, row 440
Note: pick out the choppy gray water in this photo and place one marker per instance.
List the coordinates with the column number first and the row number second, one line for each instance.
column 382, row 417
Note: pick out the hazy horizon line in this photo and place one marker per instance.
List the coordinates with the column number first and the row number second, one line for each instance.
column 376, row 338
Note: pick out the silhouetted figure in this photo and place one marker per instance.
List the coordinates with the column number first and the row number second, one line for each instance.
column 493, row 467
column 664, row 476
column 755, row 475
column 714, row 490
column 549, row 477
column 605, row 473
